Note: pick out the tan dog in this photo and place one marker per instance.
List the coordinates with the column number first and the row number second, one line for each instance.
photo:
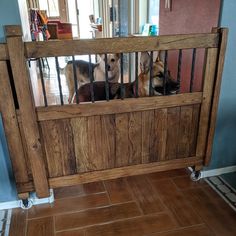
column 98, row 72
column 171, row 86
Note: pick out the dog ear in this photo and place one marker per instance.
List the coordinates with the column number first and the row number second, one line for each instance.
column 160, row 56
column 102, row 56
column 118, row 56
column 144, row 62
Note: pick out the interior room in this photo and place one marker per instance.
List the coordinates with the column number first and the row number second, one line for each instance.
column 117, row 117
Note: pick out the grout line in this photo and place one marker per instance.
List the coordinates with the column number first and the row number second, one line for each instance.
column 107, row 193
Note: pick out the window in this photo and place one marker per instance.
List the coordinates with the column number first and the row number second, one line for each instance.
column 51, row 6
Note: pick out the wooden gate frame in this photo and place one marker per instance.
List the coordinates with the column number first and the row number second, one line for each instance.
column 21, row 124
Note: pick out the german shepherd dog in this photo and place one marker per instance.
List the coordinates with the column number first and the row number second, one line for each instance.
column 98, row 72
column 129, row 89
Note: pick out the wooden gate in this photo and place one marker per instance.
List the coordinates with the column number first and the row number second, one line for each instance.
column 68, row 144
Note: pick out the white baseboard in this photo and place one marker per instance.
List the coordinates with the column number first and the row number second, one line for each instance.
column 32, row 199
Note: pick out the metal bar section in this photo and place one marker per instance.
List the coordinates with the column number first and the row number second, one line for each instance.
column 107, row 82
column 91, row 79
column 59, row 80
column 165, row 72
column 75, row 80
column 42, row 83
column 136, row 75
column 151, row 74
column 179, row 69
column 122, row 75
column 192, row 70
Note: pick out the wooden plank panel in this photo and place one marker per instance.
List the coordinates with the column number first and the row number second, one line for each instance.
column 209, row 78
column 80, row 133
column 18, row 222
column 123, row 172
column 59, row 147
column 194, row 130
column 27, row 109
column 186, row 114
column 173, row 117
column 11, row 127
column 71, row 233
column 39, row 227
column 118, row 45
column 117, row 106
column 3, row 52
column 135, row 138
column 122, row 148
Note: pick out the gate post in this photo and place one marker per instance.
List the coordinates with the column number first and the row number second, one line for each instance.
column 27, row 108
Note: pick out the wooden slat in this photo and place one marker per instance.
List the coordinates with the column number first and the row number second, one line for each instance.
column 173, row 117
column 27, row 109
column 3, row 52
column 222, row 49
column 11, row 127
column 117, row 106
column 123, row 172
column 39, row 227
column 119, row 45
column 18, row 222
column 209, row 77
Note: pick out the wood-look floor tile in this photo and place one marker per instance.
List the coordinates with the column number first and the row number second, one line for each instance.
column 79, row 190
column 96, row 216
column 18, row 222
column 41, row 227
column 168, row 174
column 71, row 233
column 69, row 205
column 134, row 227
column 184, row 182
column 118, row 190
column 176, row 202
column 145, row 195
column 199, row 230
column 213, row 210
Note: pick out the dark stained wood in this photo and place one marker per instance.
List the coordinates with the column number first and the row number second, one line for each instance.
column 79, row 190
column 69, row 205
column 39, row 227
column 212, row 209
column 123, row 172
column 185, row 124
column 27, row 109
column 18, row 222
column 96, row 216
column 71, row 233
column 3, row 52
column 176, row 202
column 134, row 227
column 119, row 45
column 118, row 190
column 58, row 142
column 117, row 106
column 11, row 127
column 216, row 95
column 145, row 195
column 173, row 119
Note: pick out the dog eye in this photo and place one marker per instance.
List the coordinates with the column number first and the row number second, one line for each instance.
column 112, row 60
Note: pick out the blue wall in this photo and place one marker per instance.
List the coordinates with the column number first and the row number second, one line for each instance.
column 224, row 149
column 9, row 14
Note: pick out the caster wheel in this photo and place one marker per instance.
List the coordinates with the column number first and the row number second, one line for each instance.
column 195, row 176
column 26, row 204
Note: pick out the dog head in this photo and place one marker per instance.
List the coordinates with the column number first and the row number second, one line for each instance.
column 158, row 78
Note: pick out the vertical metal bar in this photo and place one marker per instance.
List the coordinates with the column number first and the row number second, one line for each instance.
column 165, row 72
column 122, row 75
column 192, row 70
column 59, row 80
column 179, row 68
column 151, row 74
column 42, row 83
column 75, row 80
column 136, row 74
column 91, row 79
column 106, row 83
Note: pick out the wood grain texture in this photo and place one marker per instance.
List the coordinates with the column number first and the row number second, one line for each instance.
column 216, row 95
column 11, row 127
column 3, row 52
column 117, row 106
column 27, row 109
column 71, row 233
column 18, row 222
column 58, row 142
column 118, row 45
column 39, row 227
